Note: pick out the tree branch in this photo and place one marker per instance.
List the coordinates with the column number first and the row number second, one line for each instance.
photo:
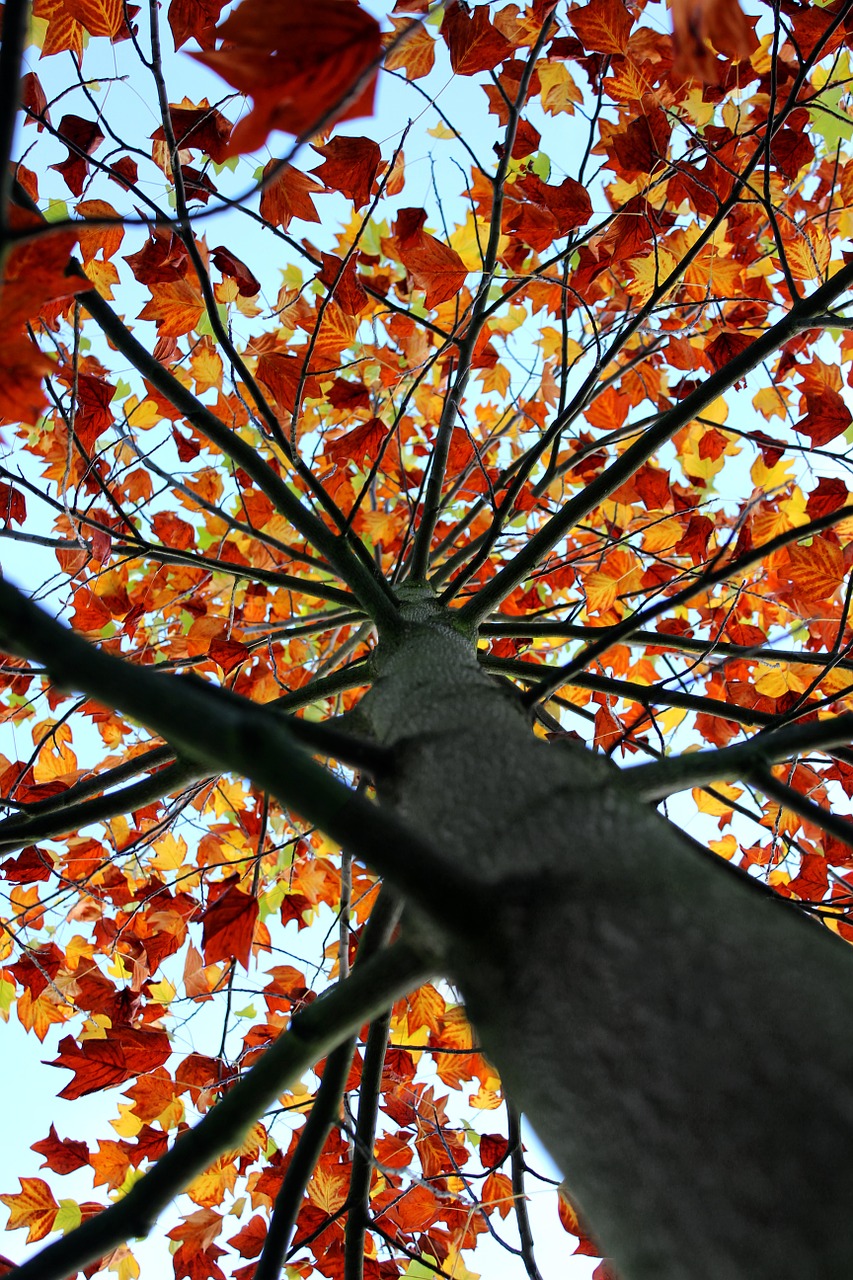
column 664, row 778
column 489, row 597
column 227, row 733
column 709, row 578
column 313, row 1033
column 288, row 1202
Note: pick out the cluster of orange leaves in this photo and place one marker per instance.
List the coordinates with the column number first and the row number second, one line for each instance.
column 336, row 352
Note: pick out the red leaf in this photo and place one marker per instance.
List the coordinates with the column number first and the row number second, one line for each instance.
column 349, row 166
column 101, row 1064
column 298, row 63
column 195, row 20
column 827, row 416
column 720, row 22
column 13, row 506
column 433, row 266
column 249, row 1240
column 363, row 442
column 61, row 1155
column 228, row 654
column 201, row 128
column 348, row 292
column 230, row 265
column 84, row 136
column 473, row 42
column 173, row 531
column 229, row 926
column 830, row 494
column 493, row 1150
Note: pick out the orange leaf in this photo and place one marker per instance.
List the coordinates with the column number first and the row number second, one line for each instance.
column 817, row 571
column 298, row 63
column 415, row 55
column 721, row 23
column 603, row 25
column 229, row 926
column 176, row 307
column 99, row 17
column 433, row 266
column 289, row 196
column 64, row 33
column 33, row 1207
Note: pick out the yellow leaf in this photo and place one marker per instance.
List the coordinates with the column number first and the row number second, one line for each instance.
column 170, row 853
column 726, row 848
column 33, row 1207
column 706, row 803
column 328, row 1188
column 142, row 414
column 808, row 255
column 559, row 91
column 771, row 402
column 52, row 764
column 128, row 1123
column 649, row 273
column 123, row 1263
column 209, row 1188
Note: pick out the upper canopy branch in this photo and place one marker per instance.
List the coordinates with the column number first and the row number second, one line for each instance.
column 227, row 733
column 802, row 315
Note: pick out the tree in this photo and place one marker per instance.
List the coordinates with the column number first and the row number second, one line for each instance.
column 401, row 580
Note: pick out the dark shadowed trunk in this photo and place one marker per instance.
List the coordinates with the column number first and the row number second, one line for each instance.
column 682, row 1042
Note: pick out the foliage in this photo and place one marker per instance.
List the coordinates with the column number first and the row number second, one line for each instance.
column 594, row 394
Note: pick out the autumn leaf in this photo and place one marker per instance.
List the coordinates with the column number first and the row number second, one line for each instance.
column 816, row 570
column 826, row 417
column 61, row 1155
column 298, row 66
column 288, row 195
column 433, row 266
column 415, row 54
column 229, row 926
column 99, row 17
column 176, row 307
column 32, row 1207
column 602, row 25
column 474, row 43
column 101, row 1064
column 195, row 20
column 349, row 166
column 720, row 23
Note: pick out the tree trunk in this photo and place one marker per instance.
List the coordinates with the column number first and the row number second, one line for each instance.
column 681, row 1041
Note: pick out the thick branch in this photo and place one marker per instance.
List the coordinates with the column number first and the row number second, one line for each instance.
column 227, row 733
column 24, row 829
column 801, row 316
column 313, row 1033
column 708, row 578
column 656, row 781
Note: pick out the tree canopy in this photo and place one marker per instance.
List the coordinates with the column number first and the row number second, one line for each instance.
column 320, row 323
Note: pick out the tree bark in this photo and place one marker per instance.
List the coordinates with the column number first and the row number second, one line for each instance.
column 681, row 1040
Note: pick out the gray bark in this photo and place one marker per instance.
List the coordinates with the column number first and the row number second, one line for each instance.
column 681, row 1040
